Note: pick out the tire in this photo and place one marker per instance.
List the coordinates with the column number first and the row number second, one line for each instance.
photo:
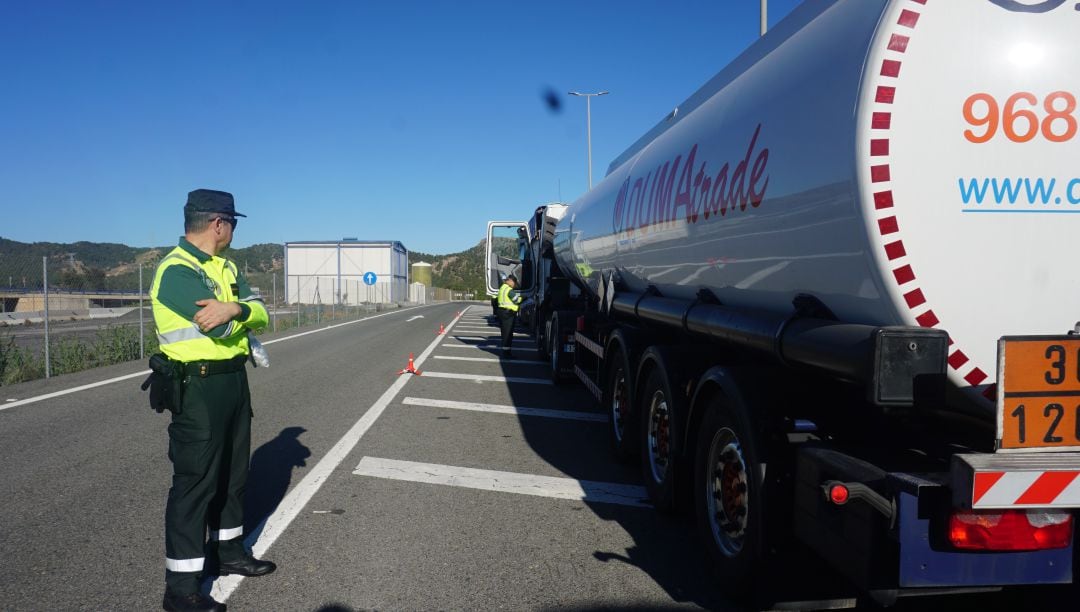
column 728, row 500
column 555, row 355
column 659, row 450
column 619, row 404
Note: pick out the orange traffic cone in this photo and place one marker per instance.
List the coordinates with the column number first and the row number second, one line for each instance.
column 411, row 369
column 442, row 330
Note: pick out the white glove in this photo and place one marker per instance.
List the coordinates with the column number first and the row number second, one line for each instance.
column 259, row 356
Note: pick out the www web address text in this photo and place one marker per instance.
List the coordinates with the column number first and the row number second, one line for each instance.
column 1020, row 195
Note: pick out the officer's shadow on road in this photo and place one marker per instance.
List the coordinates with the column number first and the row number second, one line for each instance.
column 269, row 476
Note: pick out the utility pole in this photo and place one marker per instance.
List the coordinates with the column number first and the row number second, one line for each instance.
column 588, row 124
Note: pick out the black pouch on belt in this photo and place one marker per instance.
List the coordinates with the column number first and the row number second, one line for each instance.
column 166, row 384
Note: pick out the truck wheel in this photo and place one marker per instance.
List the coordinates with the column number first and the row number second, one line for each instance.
column 619, row 402
column 728, row 481
column 555, row 357
column 658, row 449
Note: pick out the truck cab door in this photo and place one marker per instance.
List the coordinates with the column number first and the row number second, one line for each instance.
column 507, row 252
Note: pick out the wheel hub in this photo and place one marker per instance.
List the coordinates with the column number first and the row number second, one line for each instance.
column 727, row 492
column 619, row 409
column 659, row 436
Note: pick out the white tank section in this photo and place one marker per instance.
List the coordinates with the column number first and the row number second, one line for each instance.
column 907, row 162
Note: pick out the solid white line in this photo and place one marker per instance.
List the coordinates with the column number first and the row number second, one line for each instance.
column 265, row 534
column 503, row 482
column 487, row 346
column 480, row 378
column 488, row 339
column 500, row 409
column 39, row 398
column 491, row 360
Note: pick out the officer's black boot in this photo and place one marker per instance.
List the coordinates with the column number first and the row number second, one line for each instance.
column 191, row 602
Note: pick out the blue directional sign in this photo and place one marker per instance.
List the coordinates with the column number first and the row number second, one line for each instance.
column 370, row 278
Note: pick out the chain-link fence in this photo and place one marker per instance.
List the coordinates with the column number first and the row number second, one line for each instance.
column 58, row 316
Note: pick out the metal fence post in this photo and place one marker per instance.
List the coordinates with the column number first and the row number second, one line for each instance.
column 45, row 284
column 334, row 299
column 142, row 341
column 273, row 303
column 298, row 302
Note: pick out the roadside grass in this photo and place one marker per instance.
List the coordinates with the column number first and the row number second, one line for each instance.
column 119, row 344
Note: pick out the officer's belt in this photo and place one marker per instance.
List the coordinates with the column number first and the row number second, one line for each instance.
column 210, row 367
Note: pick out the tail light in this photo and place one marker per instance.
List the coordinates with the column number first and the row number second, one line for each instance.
column 1010, row 530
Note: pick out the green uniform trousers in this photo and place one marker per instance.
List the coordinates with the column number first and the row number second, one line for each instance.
column 209, row 446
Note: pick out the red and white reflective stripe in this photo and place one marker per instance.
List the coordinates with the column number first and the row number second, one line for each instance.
column 1028, row 489
column 184, row 565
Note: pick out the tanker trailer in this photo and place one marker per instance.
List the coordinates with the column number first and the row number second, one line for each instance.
column 845, row 258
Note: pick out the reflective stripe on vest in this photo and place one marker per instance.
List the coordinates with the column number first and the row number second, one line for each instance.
column 182, row 339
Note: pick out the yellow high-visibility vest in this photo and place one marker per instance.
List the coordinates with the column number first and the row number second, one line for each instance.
column 181, row 339
column 506, row 301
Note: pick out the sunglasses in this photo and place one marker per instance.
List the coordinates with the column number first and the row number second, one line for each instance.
column 230, row 220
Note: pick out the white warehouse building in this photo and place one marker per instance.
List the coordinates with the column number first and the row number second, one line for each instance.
column 346, row 271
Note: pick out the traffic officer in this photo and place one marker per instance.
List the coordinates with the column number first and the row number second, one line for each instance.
column 203, row 309
column 508, row 308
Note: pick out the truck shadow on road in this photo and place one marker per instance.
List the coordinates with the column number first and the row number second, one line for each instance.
column 270, row 474
column 663, row 547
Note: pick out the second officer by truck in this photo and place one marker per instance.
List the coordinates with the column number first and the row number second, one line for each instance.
column 508, row 309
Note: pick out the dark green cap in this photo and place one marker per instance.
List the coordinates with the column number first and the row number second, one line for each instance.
column 210, row 201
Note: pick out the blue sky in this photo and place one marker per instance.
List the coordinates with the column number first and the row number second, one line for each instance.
column 392, row 120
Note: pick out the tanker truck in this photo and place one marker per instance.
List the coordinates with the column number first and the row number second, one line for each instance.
column 828, row 299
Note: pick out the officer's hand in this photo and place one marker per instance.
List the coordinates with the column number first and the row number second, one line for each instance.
column 215, row 313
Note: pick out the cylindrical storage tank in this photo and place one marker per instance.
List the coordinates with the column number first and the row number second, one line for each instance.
column 421, row 273
column 907, row 162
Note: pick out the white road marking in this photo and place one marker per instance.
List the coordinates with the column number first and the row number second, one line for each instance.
column 413, row 318
column 481, row 378
column 39, row 398
column 492, row 360
column 486, row 346
column 504, row 482
column 265, row 534
column 500, row 409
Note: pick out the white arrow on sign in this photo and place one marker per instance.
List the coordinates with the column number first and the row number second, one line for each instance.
column 414, row 318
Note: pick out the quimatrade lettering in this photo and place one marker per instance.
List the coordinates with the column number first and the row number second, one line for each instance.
column 675, row 193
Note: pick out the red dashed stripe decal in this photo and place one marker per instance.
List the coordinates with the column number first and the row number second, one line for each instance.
column 885, row 92
column 908, row 19
column 975, row 376
column 895, row 250
column 957, row 359
column 914, row 298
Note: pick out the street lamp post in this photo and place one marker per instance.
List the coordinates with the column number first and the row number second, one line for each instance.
column 588, row 124
column 764, row 16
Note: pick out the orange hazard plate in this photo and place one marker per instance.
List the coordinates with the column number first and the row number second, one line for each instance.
column 1038, row 400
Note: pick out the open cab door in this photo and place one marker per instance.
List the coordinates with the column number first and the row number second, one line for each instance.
column 508, row 253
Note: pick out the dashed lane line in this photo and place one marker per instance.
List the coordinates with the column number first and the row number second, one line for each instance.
column 487, row 346
column 504, row 482
column 503, row 409
column 484, row 378
column 492, row 360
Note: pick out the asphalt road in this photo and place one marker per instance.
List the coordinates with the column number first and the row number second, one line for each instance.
column 86, row 474
column 370, row 490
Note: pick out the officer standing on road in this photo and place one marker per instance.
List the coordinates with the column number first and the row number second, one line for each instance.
column 508, row 308
column 203, row 309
